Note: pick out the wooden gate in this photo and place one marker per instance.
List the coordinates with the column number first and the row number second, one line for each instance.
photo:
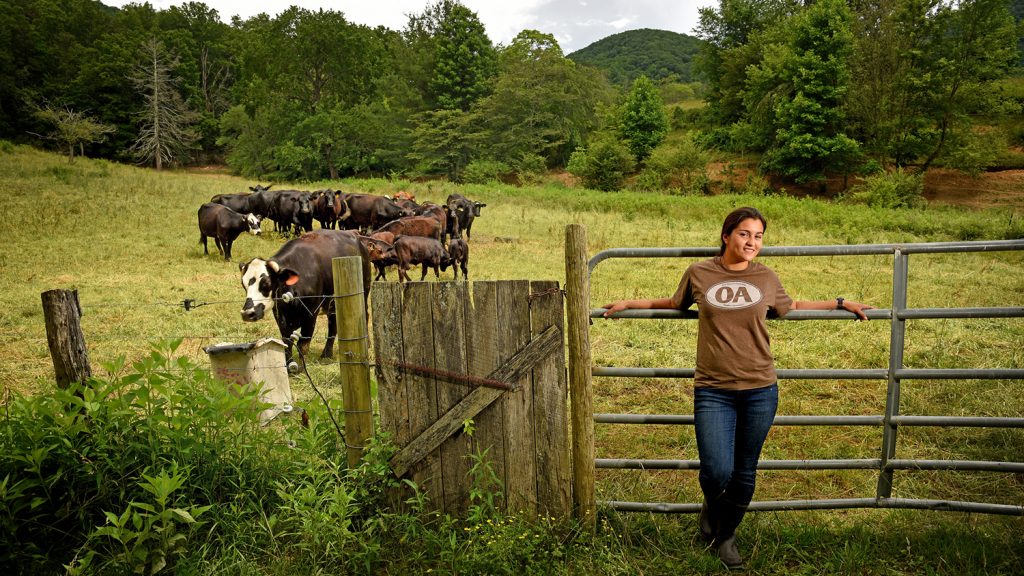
column 490, row 352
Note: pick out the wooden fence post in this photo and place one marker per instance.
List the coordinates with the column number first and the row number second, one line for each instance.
column 353, row 354
column 64, row 336
column 577, row 291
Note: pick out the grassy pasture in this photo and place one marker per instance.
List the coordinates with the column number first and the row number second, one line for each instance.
column 126, row 239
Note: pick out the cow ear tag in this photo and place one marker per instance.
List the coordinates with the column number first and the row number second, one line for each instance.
column 292, row 280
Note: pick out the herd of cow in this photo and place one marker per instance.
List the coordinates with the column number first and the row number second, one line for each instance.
column 296, row 283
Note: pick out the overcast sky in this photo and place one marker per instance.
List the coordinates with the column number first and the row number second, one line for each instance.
column 574, row 23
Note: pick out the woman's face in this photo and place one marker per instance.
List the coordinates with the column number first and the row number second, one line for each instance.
column 744, row 242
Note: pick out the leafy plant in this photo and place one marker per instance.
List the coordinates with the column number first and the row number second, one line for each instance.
column 604, row 165
column 147, row 537
column 896, row 189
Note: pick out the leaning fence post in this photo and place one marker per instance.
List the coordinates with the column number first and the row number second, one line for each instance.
column 577, row 291
column 63, row 313
column 353, row 354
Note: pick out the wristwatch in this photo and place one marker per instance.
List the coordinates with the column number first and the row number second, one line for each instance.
column 839, row 303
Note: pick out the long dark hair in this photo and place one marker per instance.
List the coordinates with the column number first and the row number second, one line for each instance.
column 733, row 220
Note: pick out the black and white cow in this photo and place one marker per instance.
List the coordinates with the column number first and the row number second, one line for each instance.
column 297, row 284
column 224, row 224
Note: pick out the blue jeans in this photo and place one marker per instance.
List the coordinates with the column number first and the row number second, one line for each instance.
column 731, row 427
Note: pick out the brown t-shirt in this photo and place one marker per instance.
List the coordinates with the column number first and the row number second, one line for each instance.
column 733, row 350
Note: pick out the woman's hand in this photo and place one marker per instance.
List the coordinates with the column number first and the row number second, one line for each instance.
column 617, row 306
column 857, row 308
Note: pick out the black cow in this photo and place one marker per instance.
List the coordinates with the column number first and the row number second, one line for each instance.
column 292, row 209
column 297, row 283
column 261, row 200
column 464, row 210
column 224, row 225
column 329, row 207
column 410, row 250
column 458, row 257
column 370, row 212
column 237, row 202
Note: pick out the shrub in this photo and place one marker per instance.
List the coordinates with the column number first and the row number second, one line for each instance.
column 484, row 171
column 114, row 450
column 897, row 189
column 679, row 165
column 603, row 166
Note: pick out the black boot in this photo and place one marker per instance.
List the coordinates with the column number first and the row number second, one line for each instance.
column 728, row 516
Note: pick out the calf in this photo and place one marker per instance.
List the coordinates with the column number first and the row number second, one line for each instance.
column 410, row 250
column 382, row 255
column 458, row 257
column 297, row 283
column 224, row 225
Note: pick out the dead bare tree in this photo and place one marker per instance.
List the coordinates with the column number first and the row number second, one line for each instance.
column 166, row 132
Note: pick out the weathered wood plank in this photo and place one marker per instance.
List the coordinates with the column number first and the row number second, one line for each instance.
column 418, row 334
column 514, row 320
column 550, row 403
column 450, row 355
column 482, row 343
column 386, row 312
column 516, row 369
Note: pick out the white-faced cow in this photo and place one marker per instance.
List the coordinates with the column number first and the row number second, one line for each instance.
column 224, row 225
column 297, row 284
column 465, row 211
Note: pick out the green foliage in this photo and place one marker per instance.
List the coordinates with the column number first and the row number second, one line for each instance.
column 541, row 103
column 973, row 152
column 643, row 123
column 678, row 164
column 72, row 459
column 657, row 54
column 464, row 58
column 812, row 67
column 484, row 171
column 896, row 189
column 147, row 537
column 603, row 166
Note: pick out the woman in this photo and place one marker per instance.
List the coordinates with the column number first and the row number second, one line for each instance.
column 735, row 388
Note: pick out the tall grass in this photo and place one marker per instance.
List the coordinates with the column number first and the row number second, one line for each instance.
column 127, row 240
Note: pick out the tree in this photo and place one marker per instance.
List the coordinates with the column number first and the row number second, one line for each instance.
column 805, row 81
column 541, row 104
column 72, row 129
column 643, row 123
column 166, row 132
column 464, row 58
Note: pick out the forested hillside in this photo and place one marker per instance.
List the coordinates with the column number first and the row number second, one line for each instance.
column 809, row 91
column 657, row 54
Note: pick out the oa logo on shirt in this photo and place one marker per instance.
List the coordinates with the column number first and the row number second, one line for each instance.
column 733, row 295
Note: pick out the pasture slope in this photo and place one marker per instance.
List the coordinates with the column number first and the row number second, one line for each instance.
column 127, row 240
